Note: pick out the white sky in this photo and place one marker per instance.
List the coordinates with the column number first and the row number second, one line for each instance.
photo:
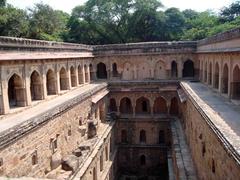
column 68, row 5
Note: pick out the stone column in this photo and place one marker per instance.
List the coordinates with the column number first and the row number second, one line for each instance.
column 89, row 77
column 44, row 81
column 4, row 98
column 27, row 92
column 180, row 68
column 58, row 82
column 83, row 74
column 76, row 76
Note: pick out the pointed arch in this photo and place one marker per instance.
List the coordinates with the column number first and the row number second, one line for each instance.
column 126, row 106
column 142, row 136
column 112, row 105
column 51, row 82
column 80, row 75
column 174, row 69
column 236, row 83
column 216, row 76
column 143, row 71
column 225, row 79
column 101, row 71
column 160, row 106
column 142, row 106
column 86, row 70
column 16, row 94
column 210, row 74
column 63, row 79
column 73, row 77
column 188, row 68
column 114, row 70
column 36, row 86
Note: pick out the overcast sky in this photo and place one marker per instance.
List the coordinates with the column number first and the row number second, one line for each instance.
column 68, row 5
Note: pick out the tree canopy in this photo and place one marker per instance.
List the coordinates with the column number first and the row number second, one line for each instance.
column 115, row 21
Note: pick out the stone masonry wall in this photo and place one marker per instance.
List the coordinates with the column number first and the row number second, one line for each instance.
column 211, row 159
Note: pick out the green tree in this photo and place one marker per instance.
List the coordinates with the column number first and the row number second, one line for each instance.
column 46, row 23
column 3, row 3
column 230, row 13
column 13, row 22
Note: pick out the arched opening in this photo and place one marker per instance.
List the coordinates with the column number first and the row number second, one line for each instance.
column 205, row 72
column 16, row 96
column 236, row 83
column 63, row 79
column 161, row 138
column 225, row 80
column 160, row 106
column 114, row 70
column 188, row 69
column 73, row 77
column 142, row 160
column 51, row 83
column 126, row 106
column 213, row 166
column 142, row 136
column 174, row 71
column 210, row 74
column 112, row 105
column 124, row 136
column 174, row 106
column 91, row 72
column 160, row 70
column 86, row 74
column 36, row 86
column 80, row 75
column 101, row 71
column 142, row 106
column 216, row 76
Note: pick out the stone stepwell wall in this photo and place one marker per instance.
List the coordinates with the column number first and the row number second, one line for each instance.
column 213, row 156
column 37, row 136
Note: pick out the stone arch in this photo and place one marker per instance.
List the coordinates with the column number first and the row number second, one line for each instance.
column 225, row 79
column 63, row 79
column 210, row 74
column 216, row 76
column 160, row 70
column 128, row 72
column 174, row 69
column 236, row 83
column 36, row 86
column 80, row 75
column 174, row 106
column 142, row 136
column 16, row 93
column 126, row 106
column 87, row 80
column 143, row 106
column 114, row 70
column 51, row 82
column 144, row 71
column 73, row 76
column 188, row 68
column 160, row 106
column 112, row 105
column 101, row 71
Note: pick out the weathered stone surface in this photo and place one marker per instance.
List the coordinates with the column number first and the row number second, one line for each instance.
column 70, row 163
column 56, row 160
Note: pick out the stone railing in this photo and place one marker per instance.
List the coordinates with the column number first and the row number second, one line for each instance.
column 146, row 48
column 10, row 43
column 228, row 35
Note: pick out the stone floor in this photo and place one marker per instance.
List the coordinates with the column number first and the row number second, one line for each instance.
column 223, row 114
column 11, row 120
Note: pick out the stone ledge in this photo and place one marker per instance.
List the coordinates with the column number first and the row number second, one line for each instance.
column 224, row 36
column 10, row 43
column 230, row 147
column 15, row 132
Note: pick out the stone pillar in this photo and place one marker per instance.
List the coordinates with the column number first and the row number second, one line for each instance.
column 4, row 98
column 68, row 79
column 89, row 77
column 27, row 92
column 44, row 85
column 180, row 68
column 58, row 82
column 76, row 76
column 118, row 110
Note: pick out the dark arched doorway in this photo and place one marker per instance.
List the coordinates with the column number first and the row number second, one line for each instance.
column 36, row 86
column 188, row 69
column 101, row 71
column 174, row 71
column 16, row 96
column 112, row 105
column 236, row 83
column 160, row 106
column 225, row 80
column 142, row 136
column 73, row 77
column 63, row 79
column 216, row 76
column 126, row 106
column 142, row 106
